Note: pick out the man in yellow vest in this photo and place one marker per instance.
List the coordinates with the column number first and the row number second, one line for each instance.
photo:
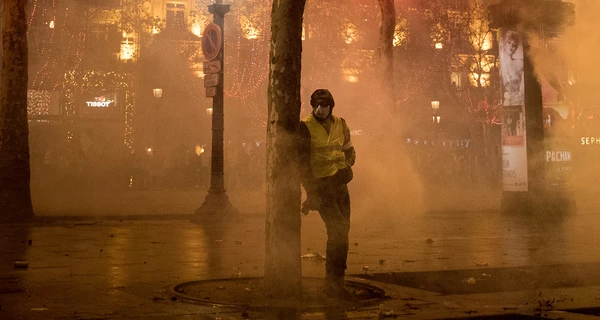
column 326, row 158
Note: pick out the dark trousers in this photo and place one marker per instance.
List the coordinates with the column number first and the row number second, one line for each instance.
column 335, row 212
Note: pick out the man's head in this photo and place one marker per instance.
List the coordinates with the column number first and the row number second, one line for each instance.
column 322, row 103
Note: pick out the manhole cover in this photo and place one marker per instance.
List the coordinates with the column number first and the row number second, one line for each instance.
column 247, row 293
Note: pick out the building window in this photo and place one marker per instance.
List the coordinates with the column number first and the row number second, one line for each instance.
column 456, row 79
column 176, row 15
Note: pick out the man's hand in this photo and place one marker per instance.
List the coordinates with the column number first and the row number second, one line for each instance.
column 312, row 202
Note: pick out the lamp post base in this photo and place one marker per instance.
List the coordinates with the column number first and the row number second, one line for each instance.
column 216, row 205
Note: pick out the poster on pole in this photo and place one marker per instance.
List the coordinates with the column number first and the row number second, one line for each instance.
column 514, row 138
column 511, row 67
column 557, row 116
column 514, row 149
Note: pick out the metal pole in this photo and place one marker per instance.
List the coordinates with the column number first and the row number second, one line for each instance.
column 217, row 201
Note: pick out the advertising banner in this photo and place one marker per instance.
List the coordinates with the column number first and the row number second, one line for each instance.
column 511, row 68
column 514, row 151
column 553, row 77
column 514, row 138
column 514, row 168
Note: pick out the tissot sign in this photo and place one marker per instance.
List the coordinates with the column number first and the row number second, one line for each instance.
column 98, row 103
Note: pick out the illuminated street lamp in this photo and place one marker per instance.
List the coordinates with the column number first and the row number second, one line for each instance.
column 157, row 92
column 209, row 111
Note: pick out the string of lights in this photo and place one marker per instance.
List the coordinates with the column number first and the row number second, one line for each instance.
column 339, row 49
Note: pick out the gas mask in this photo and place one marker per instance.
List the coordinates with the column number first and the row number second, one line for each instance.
column 322, row 112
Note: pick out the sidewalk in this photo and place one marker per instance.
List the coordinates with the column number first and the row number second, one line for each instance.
column 125, row 268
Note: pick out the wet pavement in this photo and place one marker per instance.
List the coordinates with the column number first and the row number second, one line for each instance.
column 432, row 265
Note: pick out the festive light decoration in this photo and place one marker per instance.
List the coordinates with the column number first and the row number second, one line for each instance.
column 400, row 33
column 341, row 36
column 196, row 29
column 38, row 102
column 249, row 29
column 128, row 50
column 350, row 33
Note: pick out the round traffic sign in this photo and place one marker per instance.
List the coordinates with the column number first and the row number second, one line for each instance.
column 211, row 41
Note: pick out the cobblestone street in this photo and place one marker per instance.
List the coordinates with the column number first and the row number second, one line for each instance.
column 435, row 264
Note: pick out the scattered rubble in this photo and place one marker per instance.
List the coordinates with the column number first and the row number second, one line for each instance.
column 313, row 256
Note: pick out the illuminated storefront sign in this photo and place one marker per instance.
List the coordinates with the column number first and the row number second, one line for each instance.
column 558, row 156
column 102, row 101
column 590, row 140
column 98, row 103
column 101, row 104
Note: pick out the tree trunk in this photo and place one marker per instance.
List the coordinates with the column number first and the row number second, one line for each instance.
column 15, row 194
column 283, row 269
column 386, row 50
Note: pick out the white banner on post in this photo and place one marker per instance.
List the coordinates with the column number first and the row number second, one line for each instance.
column 514, row 168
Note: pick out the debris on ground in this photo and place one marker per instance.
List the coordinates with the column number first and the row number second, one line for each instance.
column 412, row 306
column 546, row 304
column 450, row 305
column 366, row 268
column 382, row 314
column 470, row 280
column 381, row 261
column 313, row 256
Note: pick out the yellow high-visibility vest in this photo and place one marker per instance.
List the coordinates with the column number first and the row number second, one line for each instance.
column 326, row 154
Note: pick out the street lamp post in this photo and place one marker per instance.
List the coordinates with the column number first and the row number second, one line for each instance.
column 217, row 202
